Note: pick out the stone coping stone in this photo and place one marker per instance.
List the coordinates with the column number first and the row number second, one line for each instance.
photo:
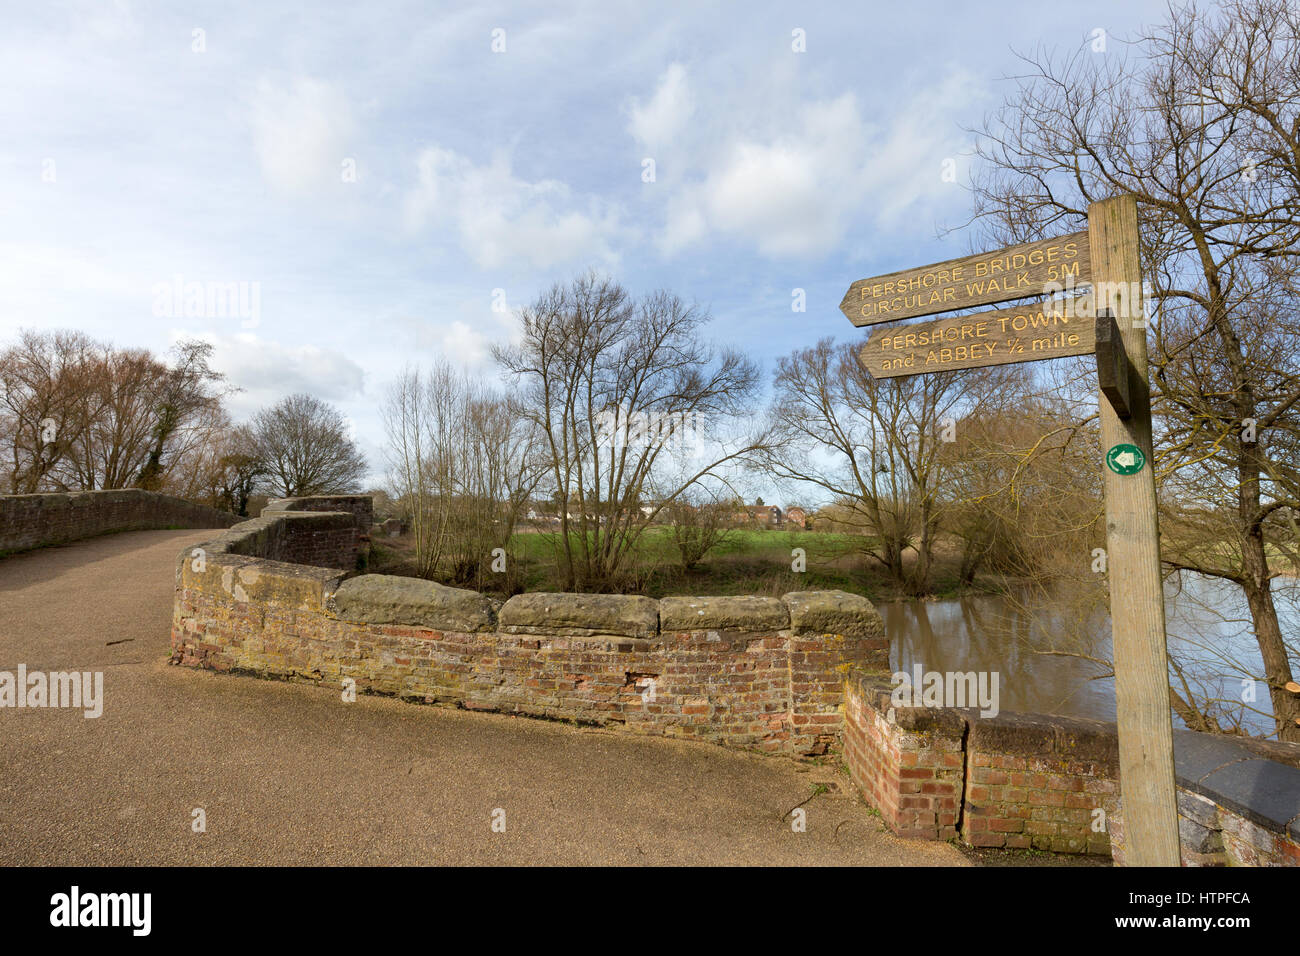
column 583, row 615
column 255, row 580
column 1029, row 735
column 1196, row 756
column 1280, row 751
column 833, row 612
column 389, row 599
column 309, row 502
column 733, row 613
column 361, row 507
column 1263, row 791
column 928, row 720
column 1045, row 735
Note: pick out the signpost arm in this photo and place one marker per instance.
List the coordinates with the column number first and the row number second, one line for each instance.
column 1146, row 752
column 1113, row 373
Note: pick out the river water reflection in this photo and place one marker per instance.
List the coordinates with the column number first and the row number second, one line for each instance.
column 1207, row 622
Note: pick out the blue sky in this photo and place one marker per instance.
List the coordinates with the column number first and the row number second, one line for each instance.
column 146, row 143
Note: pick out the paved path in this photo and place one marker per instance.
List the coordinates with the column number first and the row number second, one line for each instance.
column 289, row 774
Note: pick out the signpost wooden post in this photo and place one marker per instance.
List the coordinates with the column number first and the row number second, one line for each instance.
column 1108, row 321
column 1137, row 601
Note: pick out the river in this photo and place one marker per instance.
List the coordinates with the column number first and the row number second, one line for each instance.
column 1207, row 622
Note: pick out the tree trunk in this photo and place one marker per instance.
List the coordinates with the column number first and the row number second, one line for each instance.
column 1268, row 634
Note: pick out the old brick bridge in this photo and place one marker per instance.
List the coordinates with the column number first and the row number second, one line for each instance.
column 287, row 773
column 184, row 766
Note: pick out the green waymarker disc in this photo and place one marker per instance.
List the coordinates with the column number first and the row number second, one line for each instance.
column 1125, row 459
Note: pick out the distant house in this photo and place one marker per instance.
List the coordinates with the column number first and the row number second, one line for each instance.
column 797, row 517
column 765, row 516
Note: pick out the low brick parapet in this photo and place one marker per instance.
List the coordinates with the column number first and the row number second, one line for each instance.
column 37, row 521
column 279, row 597
column 361, row 507
column 1045, row 782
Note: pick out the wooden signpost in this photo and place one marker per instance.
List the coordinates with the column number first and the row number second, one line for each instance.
column 1110, row 322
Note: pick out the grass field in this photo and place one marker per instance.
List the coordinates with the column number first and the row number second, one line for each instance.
column 745, row 562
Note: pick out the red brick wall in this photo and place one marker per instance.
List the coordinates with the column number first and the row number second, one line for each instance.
column 910, row 768
column 819, row 665
column 1014, row 781
column 1043, row 803
column 33, row 521
column 1036, row 781
column 319, row 540
column 700, row 689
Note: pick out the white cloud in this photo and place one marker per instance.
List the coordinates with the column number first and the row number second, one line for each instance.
column 501, row 218
column 466, row 345
column 301, row 133
column 268, row 371
column 463, row 341
column 659, row 122
column 685, row 222
column 798, row 191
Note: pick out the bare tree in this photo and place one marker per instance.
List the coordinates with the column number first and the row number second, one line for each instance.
column 79, row 414
column 239, row 469
column 186, row 392
column 419, row 415
column 220, row 468
column 1021, row 491
column 149, row 415
column 304, row 446
column 1202, row 125
column 48, row 401
column 615, row 385
column 462, row 461
column 874, row 446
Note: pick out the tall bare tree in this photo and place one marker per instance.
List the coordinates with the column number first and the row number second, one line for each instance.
column 1021, row 490
column 149, row 414
column 1202, row 124
column 184, row 400
column 616, row 385
column 48, row 401
column 83, row 415
column 462, row 461
column 220, row 467
column 875, row 447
